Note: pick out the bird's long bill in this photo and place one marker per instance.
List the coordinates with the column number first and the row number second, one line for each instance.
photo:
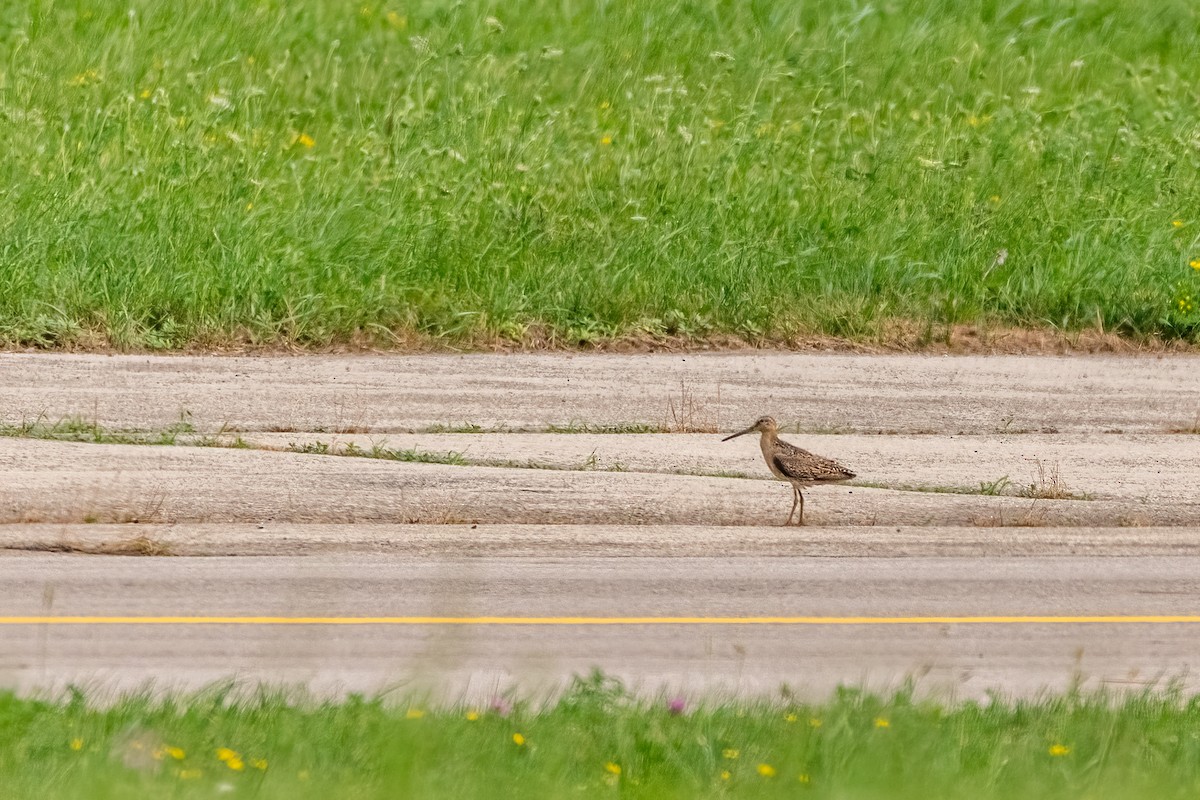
column 739, row 433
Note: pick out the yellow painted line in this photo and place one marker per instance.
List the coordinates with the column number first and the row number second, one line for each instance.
column 264, row 620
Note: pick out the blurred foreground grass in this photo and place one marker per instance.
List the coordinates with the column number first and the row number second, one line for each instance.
column 598, row 741
column 315, row 173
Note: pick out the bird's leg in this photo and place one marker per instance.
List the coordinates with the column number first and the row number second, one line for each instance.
column 800, row 497
column 795, row 499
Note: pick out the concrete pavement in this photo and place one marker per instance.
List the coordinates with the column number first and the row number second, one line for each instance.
column 477, row 661
column 818, row 392
column 1094, row 459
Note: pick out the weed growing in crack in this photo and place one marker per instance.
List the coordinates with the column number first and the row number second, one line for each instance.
column 993, row 488
column 1049, row 485
column 378, row 452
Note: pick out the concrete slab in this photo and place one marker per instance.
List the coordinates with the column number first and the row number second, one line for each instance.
column 849, row 393
column 47, row 481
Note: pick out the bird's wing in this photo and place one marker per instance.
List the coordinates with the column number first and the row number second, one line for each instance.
column 805, row 466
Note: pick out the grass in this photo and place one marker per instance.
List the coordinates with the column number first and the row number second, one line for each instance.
column 590, row 464
column 620, row 429
column 598, row 741
column 1194, row 428
column 380, row 452
column 996, row 487
column 1048, row 484
column 317, row 173
column 78, row 429
column 1043, row 489
column 132, row 546
column 984, row 489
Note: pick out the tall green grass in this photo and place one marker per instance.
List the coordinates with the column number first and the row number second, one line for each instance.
column 313, row 172
column 598, row 741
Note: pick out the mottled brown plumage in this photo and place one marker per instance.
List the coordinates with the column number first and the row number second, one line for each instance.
column 797, row 466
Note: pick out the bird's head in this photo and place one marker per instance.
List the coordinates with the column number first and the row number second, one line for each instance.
column 762, row 425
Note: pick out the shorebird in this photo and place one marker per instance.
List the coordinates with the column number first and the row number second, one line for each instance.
column 798, row 467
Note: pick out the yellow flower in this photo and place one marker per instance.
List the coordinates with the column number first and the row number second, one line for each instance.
column 85, row 77
column 236, row 764
column 1059, row 750
column 605, row 105
column 259, row 764
column 305, row 140
column 1176, row 223
column 730, row 753
column 396, row 21
column 766, row 770
column 790, row 718
column 880, row 722
column 814, row 723
column 803, row 778
column 414, row 713
column 189, row 774
column 472, row 716
column 606, row 140
column 167, row 750
column 994, row 199
column 518, row 740
column 249, row 206
column 145, row 94
column 77, row 744
column 225, row 754
column 613, row 768
column 724, row 774
column 1194, row 264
